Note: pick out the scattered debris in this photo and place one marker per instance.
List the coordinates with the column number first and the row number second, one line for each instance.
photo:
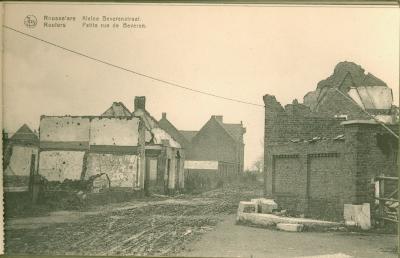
column 339, row 137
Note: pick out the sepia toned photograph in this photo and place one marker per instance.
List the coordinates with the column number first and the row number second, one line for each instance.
column 200, row 130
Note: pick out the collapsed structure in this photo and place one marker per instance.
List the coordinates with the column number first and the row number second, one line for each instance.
column 117, row 150
column 326, row 152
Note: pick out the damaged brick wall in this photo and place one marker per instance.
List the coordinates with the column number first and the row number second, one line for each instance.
column 296, row 121
column 316, row 176
column 375, row 153
column 308, row 177
column 329, row 142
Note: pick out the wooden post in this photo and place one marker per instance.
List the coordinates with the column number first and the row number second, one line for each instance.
column 382, row 202
column 147, row 177
column 34, row 185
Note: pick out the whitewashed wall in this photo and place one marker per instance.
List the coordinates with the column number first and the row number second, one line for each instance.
column 114, row 131
column 64, row 129
column 121, row 169
column 61, row 165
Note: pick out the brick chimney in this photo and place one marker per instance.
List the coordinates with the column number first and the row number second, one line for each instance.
column 219, row 118
column 164, row 115
column 140, row 102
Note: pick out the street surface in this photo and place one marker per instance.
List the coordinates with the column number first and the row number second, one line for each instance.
column 230, row 240
column 187, row 225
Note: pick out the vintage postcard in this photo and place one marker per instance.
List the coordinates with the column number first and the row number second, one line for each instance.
column 200, row 130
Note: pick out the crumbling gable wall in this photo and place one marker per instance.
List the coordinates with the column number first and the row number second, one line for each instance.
column 77, row 148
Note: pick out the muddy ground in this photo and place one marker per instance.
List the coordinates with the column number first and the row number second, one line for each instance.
column 185, row 225
column 161, row 226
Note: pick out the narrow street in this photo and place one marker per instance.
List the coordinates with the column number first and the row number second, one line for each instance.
column 187, row 225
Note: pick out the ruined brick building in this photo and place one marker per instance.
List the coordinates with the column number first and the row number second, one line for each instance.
column 326, row 151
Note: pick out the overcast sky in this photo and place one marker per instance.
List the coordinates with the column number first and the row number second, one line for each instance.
column 235, row 51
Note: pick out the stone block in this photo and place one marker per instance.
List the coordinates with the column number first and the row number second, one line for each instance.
column 257, row 202
column 290, row 227
column 360, row 214
column 247, row 207
column 267, row 206
column 264, row 205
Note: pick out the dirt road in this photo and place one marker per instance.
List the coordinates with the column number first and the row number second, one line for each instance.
column 145, row 227
column 200, row 225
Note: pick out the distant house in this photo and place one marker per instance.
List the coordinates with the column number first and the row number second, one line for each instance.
column 216, row 151
column 219, row 141
column 215, row 141
column 20, row 158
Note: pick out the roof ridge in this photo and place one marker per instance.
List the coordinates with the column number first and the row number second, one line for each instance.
column 222, row 125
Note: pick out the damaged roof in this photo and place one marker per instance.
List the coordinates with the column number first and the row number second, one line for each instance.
column 372, row 97
column 159, row 135
column 348, row 76
column 152, row 125
column 352, row 71
column 235, row 130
